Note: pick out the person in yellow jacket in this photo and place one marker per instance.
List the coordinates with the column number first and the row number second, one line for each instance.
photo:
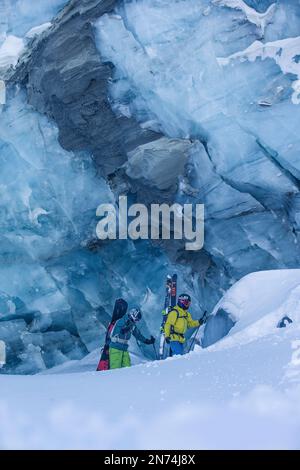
column 177, row 323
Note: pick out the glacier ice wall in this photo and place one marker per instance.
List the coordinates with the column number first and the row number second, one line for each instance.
column 57, row 284
column 109, row 95
column 224, row 76
column 46, row 215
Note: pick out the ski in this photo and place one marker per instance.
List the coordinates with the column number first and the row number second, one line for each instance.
column 168, row 292
column 119, row 311
column 167, row 303
column 174, row 290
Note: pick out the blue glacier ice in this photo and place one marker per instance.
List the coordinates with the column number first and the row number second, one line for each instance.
column 17, row 17
column 204, row 70
column 20, row 22
column 57, row 289
column 45, row 214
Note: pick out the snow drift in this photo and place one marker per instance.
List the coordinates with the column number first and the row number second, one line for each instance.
column 254, row 306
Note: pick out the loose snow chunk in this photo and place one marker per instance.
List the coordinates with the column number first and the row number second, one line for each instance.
column 10, row 51
column 283, row 52
column 37, row 30
column 34, row 215
column 261, row 20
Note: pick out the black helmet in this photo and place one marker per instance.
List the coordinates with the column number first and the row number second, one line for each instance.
column 184, row 301
column 135, row 314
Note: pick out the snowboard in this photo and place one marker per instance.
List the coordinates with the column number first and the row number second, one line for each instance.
column 119, row 311
column 170, row 301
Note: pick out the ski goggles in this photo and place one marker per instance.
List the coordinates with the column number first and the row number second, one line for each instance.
column 186, row 302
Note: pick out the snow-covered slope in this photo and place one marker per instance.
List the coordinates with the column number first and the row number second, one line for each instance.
column 243, row 392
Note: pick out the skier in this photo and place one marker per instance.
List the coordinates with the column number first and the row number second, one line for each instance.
column 177, row 323
column 120, row 336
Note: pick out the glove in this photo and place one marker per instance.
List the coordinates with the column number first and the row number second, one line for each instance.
column 150, row 341
column 203, row 319
column 168, row 340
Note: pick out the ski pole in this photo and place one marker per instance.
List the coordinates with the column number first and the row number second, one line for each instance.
column 204, row 320
column 156, row 355
column 194, row 339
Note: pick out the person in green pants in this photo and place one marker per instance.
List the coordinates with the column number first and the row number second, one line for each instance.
column 120, row 337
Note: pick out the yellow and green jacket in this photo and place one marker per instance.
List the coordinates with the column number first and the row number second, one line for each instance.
column 177, row 323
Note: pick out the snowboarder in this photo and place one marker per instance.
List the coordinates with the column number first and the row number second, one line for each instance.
column 177, row 323
column 120, row 336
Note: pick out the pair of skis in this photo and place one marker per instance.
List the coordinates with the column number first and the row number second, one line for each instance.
column 170, row 302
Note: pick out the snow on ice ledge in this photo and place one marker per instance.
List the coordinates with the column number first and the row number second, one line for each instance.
column 20, row 22
column 261, row 20
column 38, row 30
column 285, row 52
column 10, row 51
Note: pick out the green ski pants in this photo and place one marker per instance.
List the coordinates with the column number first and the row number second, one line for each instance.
column 118, row 359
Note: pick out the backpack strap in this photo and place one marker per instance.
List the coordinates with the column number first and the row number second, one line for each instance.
column 172, row 331
column 174, row 309
column 115, row 338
